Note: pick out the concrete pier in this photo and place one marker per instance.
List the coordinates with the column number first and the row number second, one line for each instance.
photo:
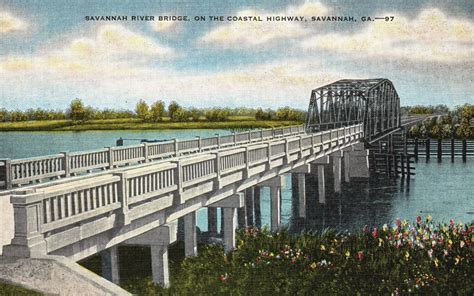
column 301, row 186
column 359, row 161
column 337, row 170
column 229, row 208
column 110, row 265
column 190, row 239
column 159, row 265
column 275, row 185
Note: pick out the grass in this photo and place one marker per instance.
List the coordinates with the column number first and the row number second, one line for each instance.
column 11, row 290
column 234, row 122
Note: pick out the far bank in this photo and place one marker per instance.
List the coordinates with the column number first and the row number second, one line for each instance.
column 234, row 122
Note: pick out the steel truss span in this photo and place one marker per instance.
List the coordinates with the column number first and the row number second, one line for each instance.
column 373, row 102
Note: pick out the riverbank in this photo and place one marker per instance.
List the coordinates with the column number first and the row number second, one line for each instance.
column 234, row 122
column 398, row 259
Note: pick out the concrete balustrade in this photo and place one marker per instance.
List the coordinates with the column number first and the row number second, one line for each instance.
column 77, row 217
column 35, row 169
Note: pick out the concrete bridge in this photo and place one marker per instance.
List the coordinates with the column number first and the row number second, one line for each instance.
column 142, row 191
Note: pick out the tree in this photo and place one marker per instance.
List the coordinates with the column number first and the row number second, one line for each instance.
column 77, row 111
column 172, row 108
column 195, row 114
column 157, row 111
column 142, row 110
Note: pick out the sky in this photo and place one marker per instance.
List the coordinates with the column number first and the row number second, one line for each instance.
column 50, row 54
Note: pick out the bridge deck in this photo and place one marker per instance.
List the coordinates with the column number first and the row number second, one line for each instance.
column 79, row 216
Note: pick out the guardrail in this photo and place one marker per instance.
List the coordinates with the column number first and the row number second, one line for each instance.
column 49, row 216
column 27, row 170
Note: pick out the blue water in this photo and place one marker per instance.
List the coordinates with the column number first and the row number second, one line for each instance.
column 444, row 190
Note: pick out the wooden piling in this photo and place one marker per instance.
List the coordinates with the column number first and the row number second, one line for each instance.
column 452, row 149
column 427, row 147
column 402, row 163
column 440, row 149
column 416, row 149
column 464, row 150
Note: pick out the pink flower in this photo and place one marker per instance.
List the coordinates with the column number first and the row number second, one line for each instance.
column 375, row 233
column 223, row 278
column 399, row 222
column 418, row 219
column 451, row 222
column 360, row 255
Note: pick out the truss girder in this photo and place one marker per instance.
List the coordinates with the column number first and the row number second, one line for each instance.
column 374, row 102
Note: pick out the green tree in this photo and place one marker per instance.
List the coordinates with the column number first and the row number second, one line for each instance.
column 77, row 111
column 173, row 107
column 142, row 110
column 194, row 114
column 157, row 111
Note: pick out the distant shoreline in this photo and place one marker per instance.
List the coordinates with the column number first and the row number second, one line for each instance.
column 234, row 122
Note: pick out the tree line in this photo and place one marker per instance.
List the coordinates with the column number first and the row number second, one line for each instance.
column 455, row 123
column 78, row 112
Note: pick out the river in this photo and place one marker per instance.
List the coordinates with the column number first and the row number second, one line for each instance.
column 443, row 190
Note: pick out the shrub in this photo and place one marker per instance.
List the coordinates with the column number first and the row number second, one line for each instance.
column 157, row 111
column 142, row 110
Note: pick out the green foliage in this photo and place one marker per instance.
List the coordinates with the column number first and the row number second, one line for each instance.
column 420, row 258
column 173, row 107
column 288, row 113
column 264, row 115
column 78, row 112
column 142, row 110
column 157, row 111
column 195, row 114
column 217, row 114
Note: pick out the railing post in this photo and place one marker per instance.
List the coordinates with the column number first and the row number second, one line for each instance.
column 66, row 163
column 269, row 152
column 273, row 132
column 176, row 147
column 124, row 219
column 28, row 217
column 217, row 168
column 7, row 173
column 246, row 160
column 178, row 179
column 234, row 137
column 287, row 151
column 145, row 151
column 261, row 134
column 111, row 157
column 199, row 143
column 218, row 137
column 250, row 136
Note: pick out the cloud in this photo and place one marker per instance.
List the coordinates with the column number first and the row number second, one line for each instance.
column 431, row 36
column 166, row 26
column 113, row 51
column 10, row 23
column 252, row 34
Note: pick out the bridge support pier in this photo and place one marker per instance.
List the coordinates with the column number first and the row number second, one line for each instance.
column 346, row 160
column 212, row 221
column 337, row 169
column 229, row 207
column 275, row 185
column 249, row 204
column 158, row 239
column 359, row 161
column 320, row 164
column 301, row 184
column 190, row 239
column 256, row 206
column 110, row 265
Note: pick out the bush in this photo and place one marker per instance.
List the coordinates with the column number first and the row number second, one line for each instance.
column 217, row 114
column 264, row 115
column 420, row 258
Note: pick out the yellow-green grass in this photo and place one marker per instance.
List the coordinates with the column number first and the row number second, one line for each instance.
column 234, row 122
column 7, row 289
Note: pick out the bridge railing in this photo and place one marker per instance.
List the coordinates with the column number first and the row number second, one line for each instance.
column 28, row 170
column 53, row 215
